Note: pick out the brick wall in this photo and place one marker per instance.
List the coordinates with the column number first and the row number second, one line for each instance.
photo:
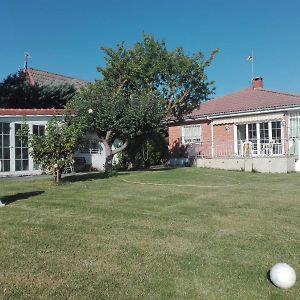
column 224, row 140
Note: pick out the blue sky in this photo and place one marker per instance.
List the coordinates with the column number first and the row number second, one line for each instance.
column 65, row 36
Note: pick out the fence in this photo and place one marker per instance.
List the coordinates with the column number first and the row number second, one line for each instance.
column 210, row 149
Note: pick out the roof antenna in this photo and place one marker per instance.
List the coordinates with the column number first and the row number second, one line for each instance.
column 251, row 58
column 27, row 57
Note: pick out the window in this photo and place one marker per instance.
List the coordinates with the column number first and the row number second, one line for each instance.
column 89, row 147
column 266, row 138
column 191, row 134
column 252, row 136
column 295, row 125
column 21, row 151
column 38, row 130
column 276, row 137
column 4, row 147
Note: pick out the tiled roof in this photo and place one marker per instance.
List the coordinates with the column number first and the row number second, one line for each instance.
column 247, row 100
column 31, row 112
column 47, row 78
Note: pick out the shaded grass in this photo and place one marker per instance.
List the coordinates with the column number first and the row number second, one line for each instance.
column 103, row 238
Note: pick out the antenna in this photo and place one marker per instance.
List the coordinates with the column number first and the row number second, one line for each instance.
column 251, row 58
column 27, row 57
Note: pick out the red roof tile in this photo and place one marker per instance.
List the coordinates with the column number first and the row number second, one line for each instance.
column 247, row 100
column 47, row 78
column 31, row 112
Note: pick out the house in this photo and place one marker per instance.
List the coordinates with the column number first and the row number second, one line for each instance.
column 14, row 154
column 253, row 129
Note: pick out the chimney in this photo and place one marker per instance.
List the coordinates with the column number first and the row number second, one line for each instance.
column 257, row 83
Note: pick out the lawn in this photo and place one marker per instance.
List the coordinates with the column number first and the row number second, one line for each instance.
column 170, row 234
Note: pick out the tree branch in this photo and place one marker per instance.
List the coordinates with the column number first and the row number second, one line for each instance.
column 120, row 148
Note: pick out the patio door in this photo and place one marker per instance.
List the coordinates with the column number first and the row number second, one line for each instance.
column 4, row 147
column 21, row 151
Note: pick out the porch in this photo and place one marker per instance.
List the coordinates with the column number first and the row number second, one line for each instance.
column 281, row 156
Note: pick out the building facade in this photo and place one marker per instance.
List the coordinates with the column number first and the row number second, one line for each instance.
column 252, row 124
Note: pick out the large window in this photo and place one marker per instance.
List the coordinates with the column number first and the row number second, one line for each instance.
column 264, row 138
column 4, row 147
column 21, row 151
column 295, row 125
column 191, row 134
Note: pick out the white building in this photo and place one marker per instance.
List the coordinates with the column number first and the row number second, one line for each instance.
column 15, row 159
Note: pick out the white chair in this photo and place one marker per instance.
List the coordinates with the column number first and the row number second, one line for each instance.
column 247, row 149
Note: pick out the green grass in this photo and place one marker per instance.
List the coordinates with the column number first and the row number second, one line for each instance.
column 151, row 239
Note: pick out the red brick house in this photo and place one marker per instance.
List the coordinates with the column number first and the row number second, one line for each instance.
column 255, row 125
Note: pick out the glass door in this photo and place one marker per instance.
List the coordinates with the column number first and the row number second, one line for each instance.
column 21, row 151
column 4, row 147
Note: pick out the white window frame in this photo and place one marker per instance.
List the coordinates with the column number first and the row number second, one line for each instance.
column 191, row 134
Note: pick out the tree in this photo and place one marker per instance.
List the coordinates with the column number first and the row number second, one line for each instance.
column 54, row 150
column 178, row 77
column 16, row 92
column 116, row 115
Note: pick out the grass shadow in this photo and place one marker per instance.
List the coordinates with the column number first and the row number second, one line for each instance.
column 6, row 200
column 90, row 176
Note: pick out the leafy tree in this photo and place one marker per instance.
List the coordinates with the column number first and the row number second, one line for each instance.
column 54, row 150
column 178, row 77
column 116, row 115
column 16, row 92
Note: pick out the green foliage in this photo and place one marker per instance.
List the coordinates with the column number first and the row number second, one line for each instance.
column 143, row 152
column 116, row 114
column 54, row 150
column 180, row 78
column 16, row 92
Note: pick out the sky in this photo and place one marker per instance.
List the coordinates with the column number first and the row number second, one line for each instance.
column 65, row 36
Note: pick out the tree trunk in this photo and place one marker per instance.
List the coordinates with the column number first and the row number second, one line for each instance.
column 56, row 175
column 109, row 154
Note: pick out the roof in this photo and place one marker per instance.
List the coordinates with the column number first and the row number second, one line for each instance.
column 47, row 78
column 31, row 112
column 245, row 101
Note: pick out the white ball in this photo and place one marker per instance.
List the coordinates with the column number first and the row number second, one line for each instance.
column 90, row 111
column 283, row 275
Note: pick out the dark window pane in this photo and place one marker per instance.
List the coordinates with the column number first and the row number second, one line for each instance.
column 17, row 127
column 6, row 165
column 6, row 141
column 18, row 165
column 18, row 153
column 25, row 153
column 25, row 165
column 42, row 130
column 1, row 153
column 17, row 142
column 35, row 129
column 6, row 153
column 5, row 128
column 25, row 143
column 1, row 137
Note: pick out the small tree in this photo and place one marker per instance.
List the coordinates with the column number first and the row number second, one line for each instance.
column 116, row 115
column 54, row 150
